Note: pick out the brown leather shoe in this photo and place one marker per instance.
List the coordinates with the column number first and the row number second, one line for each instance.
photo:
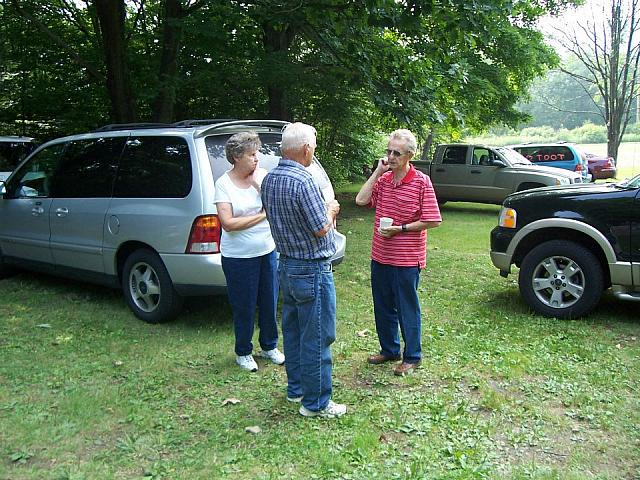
column 379, row 358
column 405, row 368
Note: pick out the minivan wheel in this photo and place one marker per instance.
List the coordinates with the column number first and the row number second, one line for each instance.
column 5, row 270
column 148, row 288
column 562, row 279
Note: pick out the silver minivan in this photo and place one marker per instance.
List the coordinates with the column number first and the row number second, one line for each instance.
column 131, row 207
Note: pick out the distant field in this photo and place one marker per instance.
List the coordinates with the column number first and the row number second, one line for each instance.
column 628, row 156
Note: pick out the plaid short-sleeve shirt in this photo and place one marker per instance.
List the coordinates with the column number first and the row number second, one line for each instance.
column 296, row 210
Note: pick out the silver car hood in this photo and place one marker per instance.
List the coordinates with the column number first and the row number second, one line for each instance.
column 548, row 170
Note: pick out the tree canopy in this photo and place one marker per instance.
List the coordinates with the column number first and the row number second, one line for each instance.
column 353, row 68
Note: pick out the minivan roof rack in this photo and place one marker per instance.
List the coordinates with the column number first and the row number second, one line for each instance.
column 131, row 126
column 201, row 122
column 273, row 125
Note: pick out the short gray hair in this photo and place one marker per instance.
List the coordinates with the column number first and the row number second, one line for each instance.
column 406, row 136
column 296, row 135
column 240, row 143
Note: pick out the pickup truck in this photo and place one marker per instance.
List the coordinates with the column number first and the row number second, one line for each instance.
column 480, row 173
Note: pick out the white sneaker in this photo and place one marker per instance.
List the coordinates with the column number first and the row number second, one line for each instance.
column 275, row 355
column 294, row 399
column 332, row 410
column 247, row 362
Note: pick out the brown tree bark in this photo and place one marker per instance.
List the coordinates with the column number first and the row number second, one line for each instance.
column 277, row 42
column 164, row 102
column 111, row 17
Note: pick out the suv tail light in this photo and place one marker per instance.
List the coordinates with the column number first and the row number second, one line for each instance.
column 205, row 235
column 578, row 167
column 609, row 163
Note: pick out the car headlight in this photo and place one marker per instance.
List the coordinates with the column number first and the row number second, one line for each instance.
column 507, row 218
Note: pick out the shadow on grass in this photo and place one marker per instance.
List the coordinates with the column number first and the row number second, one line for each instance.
column 197, row 312
column 474, row 208
column 608, row 311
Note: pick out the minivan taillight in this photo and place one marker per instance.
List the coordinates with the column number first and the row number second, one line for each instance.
column 205, row 235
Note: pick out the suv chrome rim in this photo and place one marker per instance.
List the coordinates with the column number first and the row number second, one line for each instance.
column 144, row 287
column 558, row 282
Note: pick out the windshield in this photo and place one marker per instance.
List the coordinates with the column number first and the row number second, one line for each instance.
column 632, row 183
column 513, row 156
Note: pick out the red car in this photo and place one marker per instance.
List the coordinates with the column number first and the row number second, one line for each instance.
column 600, row 166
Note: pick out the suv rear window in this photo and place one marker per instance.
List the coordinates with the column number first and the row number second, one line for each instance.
column 546, row 153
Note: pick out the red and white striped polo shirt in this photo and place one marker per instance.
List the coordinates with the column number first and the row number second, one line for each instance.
column 411, row 200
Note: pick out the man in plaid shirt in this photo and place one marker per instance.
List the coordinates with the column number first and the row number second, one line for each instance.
column 302, row 228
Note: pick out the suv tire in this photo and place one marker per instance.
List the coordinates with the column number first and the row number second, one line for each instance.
column 148, row 288
column 550, row 290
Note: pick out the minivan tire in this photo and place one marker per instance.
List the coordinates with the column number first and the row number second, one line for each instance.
column 148, row 288
column 547, row 287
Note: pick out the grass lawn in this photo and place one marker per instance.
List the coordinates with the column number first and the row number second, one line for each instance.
column 87, row 391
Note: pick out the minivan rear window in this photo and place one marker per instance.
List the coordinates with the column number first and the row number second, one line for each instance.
column 154, row 167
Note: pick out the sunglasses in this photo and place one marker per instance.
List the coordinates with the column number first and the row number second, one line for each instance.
column 394, row 153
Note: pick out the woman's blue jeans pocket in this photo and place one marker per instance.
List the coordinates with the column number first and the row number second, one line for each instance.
column 302, row 287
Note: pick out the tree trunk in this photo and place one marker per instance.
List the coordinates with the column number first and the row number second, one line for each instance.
column 427, row 146
column 277, row 43
column 164, row 103
column 111, row 16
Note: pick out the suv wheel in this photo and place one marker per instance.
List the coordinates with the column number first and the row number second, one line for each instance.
column 148, row 288
column 562, row 279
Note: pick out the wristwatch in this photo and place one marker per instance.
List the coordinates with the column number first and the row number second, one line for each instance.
column 404, row 227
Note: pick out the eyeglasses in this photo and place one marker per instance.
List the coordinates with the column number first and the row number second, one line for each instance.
column 394, row 153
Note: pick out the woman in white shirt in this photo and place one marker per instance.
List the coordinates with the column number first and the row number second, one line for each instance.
column 248, row 252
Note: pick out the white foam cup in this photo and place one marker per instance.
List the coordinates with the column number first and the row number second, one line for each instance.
column 386, row 222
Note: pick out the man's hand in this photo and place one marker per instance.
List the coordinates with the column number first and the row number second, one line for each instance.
column 383, row 165
column 333, row 208
column 390, row 231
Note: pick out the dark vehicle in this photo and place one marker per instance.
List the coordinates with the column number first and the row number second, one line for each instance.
column 12, row 150
column 571, row 243
column 600, row 166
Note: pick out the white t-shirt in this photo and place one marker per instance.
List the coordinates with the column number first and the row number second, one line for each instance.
column 250, row 242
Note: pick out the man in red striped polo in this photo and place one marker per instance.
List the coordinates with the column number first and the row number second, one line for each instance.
column 398, row 252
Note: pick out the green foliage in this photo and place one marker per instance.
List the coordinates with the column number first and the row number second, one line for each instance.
column 353, row 69
column 587, row 133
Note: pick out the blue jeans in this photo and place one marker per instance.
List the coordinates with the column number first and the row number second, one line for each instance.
column 253, row 282
column 395, row 302
column 308, row 328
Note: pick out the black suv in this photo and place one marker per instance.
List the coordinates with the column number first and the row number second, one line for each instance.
column 571, row 243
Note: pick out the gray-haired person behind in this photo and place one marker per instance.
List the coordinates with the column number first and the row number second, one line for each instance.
column 302, row 227
column 248, row 252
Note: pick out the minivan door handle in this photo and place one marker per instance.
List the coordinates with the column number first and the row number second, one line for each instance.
column 62, row 212
column 37, row 210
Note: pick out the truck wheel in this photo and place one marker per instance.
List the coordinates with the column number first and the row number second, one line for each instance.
column 562, row 279
column 148, row 288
